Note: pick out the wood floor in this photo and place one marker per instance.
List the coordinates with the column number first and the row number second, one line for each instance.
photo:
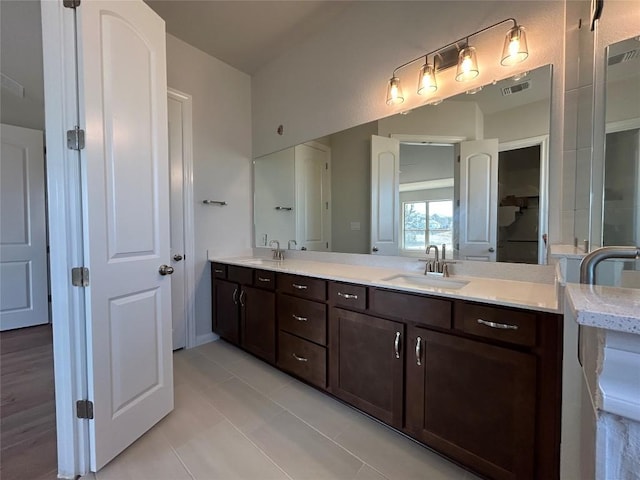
column 27, row 406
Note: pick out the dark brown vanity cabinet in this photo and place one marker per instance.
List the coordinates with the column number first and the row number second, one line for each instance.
column 479, row 383
column 367, row 363
column 472, row 401
column 302, row 325
column 245, row 314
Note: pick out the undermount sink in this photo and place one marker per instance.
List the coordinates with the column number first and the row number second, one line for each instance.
column 425, row 281
column 262, row 261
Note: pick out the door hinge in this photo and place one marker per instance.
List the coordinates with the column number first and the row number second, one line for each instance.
column 71, row 3
column 458, row 158
column 84, row 409
column 80, row 277
column 75, row 139
column 457, row 203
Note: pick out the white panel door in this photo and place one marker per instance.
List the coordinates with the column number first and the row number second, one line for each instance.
column 123, row 106
column 385, row 195
column 478, row 200
column 176, row 147
column 23, row 235
column 312, row 176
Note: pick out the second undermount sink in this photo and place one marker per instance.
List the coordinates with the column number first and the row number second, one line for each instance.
column 425, row 281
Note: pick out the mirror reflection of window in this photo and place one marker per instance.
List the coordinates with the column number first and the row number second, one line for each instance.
column 427, row 223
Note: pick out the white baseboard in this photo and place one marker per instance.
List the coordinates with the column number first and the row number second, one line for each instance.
column 206, row 338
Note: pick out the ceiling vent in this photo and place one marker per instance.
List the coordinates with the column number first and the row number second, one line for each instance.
column 520, row 87
column 624, row 57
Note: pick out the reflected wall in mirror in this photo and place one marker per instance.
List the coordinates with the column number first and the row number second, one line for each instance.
column 621, row 212
column 469, row 173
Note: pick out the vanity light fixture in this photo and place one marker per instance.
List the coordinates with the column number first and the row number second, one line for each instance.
column 462, row 54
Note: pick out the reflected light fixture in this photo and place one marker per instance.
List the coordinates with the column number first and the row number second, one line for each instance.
column 462, row 54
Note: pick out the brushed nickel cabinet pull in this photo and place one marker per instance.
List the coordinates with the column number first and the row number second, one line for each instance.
column 242, row 295
column 396, row 345
column 500, row 326
column 299, row 287
column 218, row 271
column 419, row 351
column 300, row 319
column 262, row 279
column 300, row 359
column 348, row 296
column 235, row 296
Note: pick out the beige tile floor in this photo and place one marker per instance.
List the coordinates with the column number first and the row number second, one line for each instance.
column 236, row 417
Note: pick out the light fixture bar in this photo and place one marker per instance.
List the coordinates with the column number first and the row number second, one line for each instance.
column 514, row 51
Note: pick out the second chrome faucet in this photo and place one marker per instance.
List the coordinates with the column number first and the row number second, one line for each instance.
column 436, row 266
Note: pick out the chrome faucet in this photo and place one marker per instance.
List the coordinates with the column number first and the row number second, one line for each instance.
column 436, row 266
column 590, row 262
column 277, row 253
column 291, row 242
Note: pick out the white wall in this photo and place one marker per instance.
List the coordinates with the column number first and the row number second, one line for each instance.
column 419, row 163
column 21, row 60
column 337, row 78
column 222, row 159
column 527, row 121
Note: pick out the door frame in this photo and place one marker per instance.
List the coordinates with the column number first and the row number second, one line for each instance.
column 187, row 212
column 543, row 207
column 65, row 229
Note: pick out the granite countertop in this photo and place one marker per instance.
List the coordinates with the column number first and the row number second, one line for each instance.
column 510, row 293
column 611, row 308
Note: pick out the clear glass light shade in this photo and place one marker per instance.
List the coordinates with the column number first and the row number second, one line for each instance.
column 515, row 47
column 467, row 65
column 394, row 92
column 427, row 82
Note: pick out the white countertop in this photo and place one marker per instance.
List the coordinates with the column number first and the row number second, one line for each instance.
column 611, row 308
column 510, row 293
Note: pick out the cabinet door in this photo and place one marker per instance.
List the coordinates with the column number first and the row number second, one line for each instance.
column 259, row 322
column 227, row 314
column 474, row 402
column 367, row 363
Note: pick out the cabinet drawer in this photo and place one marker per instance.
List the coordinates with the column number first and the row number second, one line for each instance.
column 219, row 270
column 302, row 358
column 347, row 295
column 421, row 310
column 264, row 279
column 241, row 275
column 304, row 318
column 503, row 324
column 305, row 287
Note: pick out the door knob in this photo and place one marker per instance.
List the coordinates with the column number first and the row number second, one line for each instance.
column 491, row 249
column 374, row 249
column 165, row 270
column 177, row 257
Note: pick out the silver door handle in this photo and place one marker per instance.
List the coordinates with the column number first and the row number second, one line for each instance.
column 177, row 258
column 165, row 270
column 419, row 351
column 300, row 319
column 347, row 296
column 300, row 359
column 501, row 326
column 299, row 287
column 491, row 249
column 396, row 345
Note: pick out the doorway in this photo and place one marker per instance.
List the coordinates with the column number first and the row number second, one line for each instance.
column 518, row 205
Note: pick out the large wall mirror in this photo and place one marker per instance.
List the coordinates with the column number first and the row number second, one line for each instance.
column 469, row 173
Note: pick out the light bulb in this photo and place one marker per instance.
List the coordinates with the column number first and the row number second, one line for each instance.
column 467, row 65
column 515, row 46
column 427, row 82
column 394, row 92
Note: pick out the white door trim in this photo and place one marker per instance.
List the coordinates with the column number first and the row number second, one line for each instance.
column 188, row 215
column 543, row 221
column 64, row 195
